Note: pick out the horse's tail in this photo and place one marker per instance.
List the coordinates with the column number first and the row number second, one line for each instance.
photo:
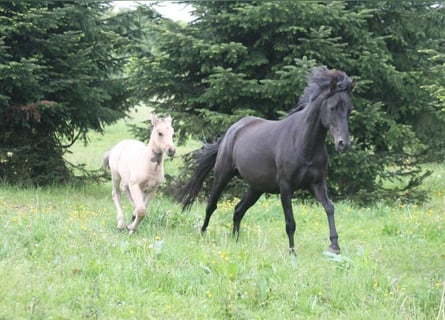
column 106, row 162
column 201, row 163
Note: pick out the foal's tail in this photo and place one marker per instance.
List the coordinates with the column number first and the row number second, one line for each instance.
column 201, row 162
column 106, row 162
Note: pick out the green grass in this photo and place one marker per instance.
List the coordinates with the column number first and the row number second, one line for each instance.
column 61, row 257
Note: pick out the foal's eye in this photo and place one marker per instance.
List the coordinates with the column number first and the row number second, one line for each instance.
column 160, row 134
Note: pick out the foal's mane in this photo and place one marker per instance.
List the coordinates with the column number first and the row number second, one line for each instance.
column 318, row 81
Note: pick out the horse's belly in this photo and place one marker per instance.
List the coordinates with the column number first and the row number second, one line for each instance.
column 304, row 177
column 262, row 180
column 268, row 181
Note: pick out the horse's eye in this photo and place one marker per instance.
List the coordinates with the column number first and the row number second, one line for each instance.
column 160, row 134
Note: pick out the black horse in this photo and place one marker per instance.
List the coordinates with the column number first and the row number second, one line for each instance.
column 280, row 156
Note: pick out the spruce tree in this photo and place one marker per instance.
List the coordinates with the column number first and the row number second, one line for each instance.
column 60, row 76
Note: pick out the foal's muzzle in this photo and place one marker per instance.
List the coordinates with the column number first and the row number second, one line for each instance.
column 171, row 151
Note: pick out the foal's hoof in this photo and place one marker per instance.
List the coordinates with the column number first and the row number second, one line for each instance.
column 130, row 231
column 332, row 250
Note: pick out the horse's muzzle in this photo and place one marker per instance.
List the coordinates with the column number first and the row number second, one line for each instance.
column 342, row 145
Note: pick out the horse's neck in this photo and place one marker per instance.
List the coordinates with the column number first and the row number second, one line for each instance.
column 311, row 134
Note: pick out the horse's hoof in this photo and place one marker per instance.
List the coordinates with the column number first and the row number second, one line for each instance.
column 292, row 252
column 235, row 235
column 130, row 231
column 335, row 251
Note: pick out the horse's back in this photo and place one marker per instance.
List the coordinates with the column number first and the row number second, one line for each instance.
column 233, row 133
column 246, row 123
column 252, row 133
column 239, row 129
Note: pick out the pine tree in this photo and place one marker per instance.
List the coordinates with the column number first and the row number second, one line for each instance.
column 60, row 76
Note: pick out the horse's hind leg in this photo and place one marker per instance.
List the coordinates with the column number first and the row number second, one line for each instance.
column 246, row 202
column 220, row 182
column 116, row 195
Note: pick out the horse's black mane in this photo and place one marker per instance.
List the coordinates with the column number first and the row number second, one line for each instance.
column 318, row 81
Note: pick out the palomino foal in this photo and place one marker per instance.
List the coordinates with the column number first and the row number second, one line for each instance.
column 138, row 169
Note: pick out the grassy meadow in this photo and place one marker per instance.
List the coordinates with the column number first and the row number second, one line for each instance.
column 62, row 257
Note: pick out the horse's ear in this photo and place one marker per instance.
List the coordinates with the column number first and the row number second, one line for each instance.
column 169, row 119
column 333, row 84
column 351, row 87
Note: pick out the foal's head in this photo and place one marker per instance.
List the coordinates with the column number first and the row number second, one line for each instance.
column 336, row 108
column 162, row 135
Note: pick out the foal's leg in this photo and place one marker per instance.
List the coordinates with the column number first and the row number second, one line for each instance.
column 286, row 203
column 137, row 218
column 320, row 192
column 116, row 195
column 148, row 197
column 127, row 192
column 246, row 202
column 139, row 206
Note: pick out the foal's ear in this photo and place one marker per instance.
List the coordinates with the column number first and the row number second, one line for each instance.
column 154, row 120
column 168, row 119
column 333, row 84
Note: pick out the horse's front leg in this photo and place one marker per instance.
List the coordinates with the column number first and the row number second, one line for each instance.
column 139, row 206
column 286, row 202
column 320, row 192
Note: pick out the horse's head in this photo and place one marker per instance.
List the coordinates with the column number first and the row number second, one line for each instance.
column 162, row 135
column 336, row 109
